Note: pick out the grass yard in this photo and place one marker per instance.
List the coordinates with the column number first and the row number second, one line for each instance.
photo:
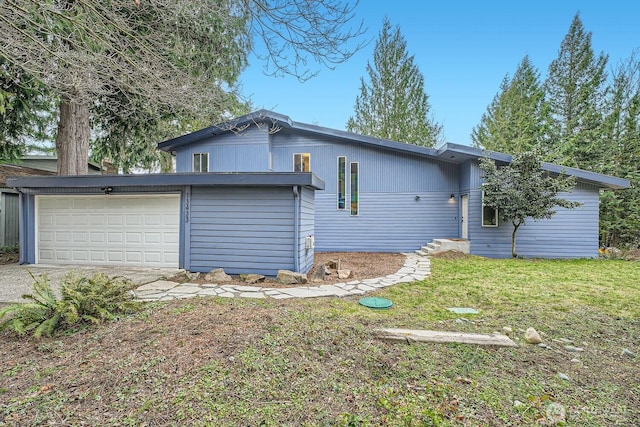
column 314, row 362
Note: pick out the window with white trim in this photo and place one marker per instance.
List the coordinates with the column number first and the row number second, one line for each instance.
column 201, row 162
column 489, row 215
column 302, row 162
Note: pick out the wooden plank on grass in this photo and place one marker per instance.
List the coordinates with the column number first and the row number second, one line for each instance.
column 413, row 335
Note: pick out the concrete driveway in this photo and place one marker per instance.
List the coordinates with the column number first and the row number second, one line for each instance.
column 15, row 280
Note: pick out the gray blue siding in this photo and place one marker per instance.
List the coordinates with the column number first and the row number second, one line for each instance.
column 243, row 230
column 390, row 218
column 307, row 228
column 232, row 152
column 568, row 234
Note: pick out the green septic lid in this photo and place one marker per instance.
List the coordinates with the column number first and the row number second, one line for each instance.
column 375, row 302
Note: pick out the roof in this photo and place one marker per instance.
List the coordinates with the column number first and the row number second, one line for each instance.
column 50, row 163
column 253, row 179
column 449, row 152
column 7, row 170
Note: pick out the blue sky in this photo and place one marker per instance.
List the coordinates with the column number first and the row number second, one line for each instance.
column 463, row 48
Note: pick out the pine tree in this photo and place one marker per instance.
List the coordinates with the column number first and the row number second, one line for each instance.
column 393, row 104
column 517, row 118
column 575, row 88
column 620, row 209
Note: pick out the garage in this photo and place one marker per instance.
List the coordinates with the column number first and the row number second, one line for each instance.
column 249, row 222
column 131, row 230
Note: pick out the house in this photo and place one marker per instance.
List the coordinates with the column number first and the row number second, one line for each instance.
column 386, row 196
column 262, row 192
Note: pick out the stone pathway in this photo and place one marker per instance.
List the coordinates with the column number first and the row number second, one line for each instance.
column 415, row 268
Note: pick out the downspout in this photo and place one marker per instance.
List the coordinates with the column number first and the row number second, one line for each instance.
column 296, row 229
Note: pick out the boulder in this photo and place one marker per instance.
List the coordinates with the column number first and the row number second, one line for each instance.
column 333, row 264
column 319, row 273
column 217, row 275
column 252, row 278
column 287, row 277
column 532, row 336
column 344, row 274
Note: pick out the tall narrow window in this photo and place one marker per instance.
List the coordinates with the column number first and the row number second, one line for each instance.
column 201, row 162
column 354, row 188
column 489, row 215
column 342, row 182
column 302, row 162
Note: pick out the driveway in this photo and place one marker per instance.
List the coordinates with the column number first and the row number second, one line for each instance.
column 15, row 280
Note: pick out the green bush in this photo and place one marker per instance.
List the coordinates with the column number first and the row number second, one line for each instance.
column 92, row 299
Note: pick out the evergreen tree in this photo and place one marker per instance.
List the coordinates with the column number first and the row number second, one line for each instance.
column 393, row 104
column 575, row 88
column 516, row 121
column 522, row 190
column 102, row 60
column 24, row 111
column 620, row 209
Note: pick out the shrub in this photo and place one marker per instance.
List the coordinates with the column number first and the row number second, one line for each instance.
column 92, row 299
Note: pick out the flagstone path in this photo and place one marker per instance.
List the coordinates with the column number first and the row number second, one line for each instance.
column 415, row 267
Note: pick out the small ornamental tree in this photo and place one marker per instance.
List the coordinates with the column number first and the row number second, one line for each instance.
column 522, row 190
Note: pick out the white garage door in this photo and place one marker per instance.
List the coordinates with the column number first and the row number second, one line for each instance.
column 140, row 230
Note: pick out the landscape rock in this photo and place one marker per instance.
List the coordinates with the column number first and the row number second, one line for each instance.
column 507, row 329
column 574, row 360
column 344, row 274
column 287, row 277
column 628, row 353
column 532, row 336
column 252, row 278
column 573, row 349
column 518, row 404
column 563, row 376
column 332, row 264
column 319, row 274
column 556, row 414
column 217, row 275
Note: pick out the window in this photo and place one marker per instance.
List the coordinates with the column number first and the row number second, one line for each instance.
column 302, row 162
column 489, row 215
column 354, row 188
column 201, row 162
column 342, row 182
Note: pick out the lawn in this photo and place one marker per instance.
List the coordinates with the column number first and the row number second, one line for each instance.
column 315, row 362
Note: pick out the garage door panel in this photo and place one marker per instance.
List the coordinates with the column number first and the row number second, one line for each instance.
column 141, row 230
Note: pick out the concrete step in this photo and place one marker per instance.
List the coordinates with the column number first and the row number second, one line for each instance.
column 421, row 253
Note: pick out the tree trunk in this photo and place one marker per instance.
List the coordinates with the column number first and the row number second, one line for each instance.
column 513, row 240
column 72, row 140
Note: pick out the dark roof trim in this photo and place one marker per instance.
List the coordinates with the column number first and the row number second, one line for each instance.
column 238, row 179
column 453, row 153
column 280, row 121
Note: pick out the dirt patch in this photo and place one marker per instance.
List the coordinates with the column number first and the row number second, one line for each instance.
column 9, row 256
column 363, row 265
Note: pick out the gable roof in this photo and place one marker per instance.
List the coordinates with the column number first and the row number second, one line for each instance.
column 452, row 153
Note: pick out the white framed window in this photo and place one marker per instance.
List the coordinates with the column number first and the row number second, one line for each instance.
column 342, row 183
column 302, row 162
column 201, row 162
column 489, row 215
